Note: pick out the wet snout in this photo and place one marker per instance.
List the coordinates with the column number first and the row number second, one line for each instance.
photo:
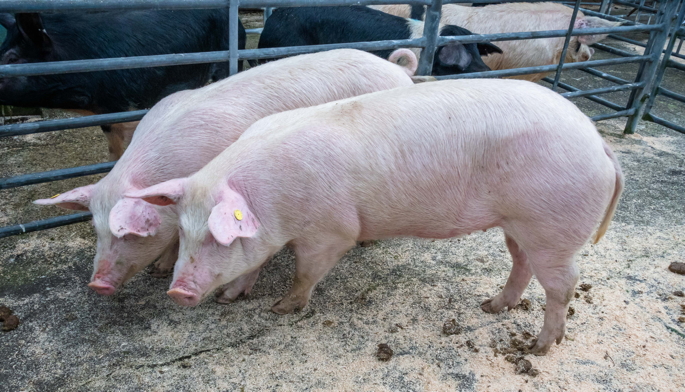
column 106, row 279
column 184, row 297
column 101, row 286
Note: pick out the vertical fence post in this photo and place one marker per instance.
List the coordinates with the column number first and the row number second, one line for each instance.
column 653, row 92
column 431, row 30
column 233, row 36
column 639, row 11
column 567, row 41
column 267, row 12
column 647, row 71
column 606, row 4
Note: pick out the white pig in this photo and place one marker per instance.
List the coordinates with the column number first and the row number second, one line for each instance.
column 519, row 17
column 187, row 129
column 434, row 160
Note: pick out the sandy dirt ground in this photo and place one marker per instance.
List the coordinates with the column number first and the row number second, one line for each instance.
column 624, row 333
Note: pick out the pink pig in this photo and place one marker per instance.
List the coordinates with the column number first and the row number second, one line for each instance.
column 434, row 160
column 187, row 129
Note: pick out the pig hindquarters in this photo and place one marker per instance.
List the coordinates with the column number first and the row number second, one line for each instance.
column 435, row 160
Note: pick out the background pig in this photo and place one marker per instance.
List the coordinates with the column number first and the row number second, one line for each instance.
column 33, row 38
column 301, row 26
column 517, row 17
column 187, row 129
column 435, row 160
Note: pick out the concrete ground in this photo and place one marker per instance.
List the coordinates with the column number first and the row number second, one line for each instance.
column 624, row 334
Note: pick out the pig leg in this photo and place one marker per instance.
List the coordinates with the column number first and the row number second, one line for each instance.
column 118, row 137
column 519, row 277
column 241, row 285
column 558, row 275
column 164, row 266
column 312, row 262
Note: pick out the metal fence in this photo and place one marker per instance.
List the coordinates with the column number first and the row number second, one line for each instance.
column 646, row 12
column 664, row 22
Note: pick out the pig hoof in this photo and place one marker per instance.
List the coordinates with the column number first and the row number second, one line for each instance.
column 538, row 348
column 286, row 306
column 488, row 307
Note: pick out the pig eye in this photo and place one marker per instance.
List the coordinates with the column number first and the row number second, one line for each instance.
column 577, row 46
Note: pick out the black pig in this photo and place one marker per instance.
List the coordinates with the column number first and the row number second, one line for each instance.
column 300, row 26
column 33, row 38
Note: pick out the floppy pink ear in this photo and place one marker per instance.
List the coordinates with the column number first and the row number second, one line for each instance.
column 164, row 194
column 134, row 216
column 232, row 218
column 76, row 199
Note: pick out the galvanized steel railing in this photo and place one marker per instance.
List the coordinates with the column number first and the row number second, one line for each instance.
column 643, row 89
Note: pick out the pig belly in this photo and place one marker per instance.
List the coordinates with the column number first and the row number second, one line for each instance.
column 439, row 223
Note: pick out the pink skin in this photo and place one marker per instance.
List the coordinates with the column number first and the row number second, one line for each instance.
column 99, row 282
column 435, row 160
column 131, row 234
column 519, row 17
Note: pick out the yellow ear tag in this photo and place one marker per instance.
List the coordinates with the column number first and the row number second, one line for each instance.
column 56, row 195
column 238, row 215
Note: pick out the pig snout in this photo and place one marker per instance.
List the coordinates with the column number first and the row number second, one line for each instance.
column 184, row 297
column 101, row 286
column 107, row 279
column 184, row 293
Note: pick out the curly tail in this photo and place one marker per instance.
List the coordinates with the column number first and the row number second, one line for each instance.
column 406, row 59
column 618, row 189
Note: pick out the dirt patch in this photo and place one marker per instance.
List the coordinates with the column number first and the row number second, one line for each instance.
column 384, row 352
column 450, row 327
column 677, row 267
column 525, row 305
column 9, row 321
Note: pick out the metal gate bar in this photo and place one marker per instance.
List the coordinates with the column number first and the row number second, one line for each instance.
column 429, row 42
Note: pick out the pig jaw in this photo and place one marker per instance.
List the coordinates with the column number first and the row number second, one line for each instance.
column 212, row 266
column 192, row 282
column 120, row 263
column 101, row 281
column 107, row 279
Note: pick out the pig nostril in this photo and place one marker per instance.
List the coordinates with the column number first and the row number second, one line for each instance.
column 183, row 297
column 102, row 288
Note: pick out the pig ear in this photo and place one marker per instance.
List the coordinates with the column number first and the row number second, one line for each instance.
column 164, row 194
column 31, row 27
column 455, row 55
column 487, row 48
column 134, row 216
column 7, row 20
column 75, row 199
column 591, row 22
column 232, row 218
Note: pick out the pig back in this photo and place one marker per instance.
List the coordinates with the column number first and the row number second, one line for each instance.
column 458, row 153
column 187, row 129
